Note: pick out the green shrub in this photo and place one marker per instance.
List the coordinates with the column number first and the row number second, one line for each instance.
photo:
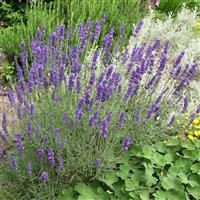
column 161, row 171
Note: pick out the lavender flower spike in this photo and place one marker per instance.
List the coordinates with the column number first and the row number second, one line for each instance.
column 41, row 153
column 51, row 157
column 43, row 177
column 19, row 143
column 126, row 143
column 13, row 163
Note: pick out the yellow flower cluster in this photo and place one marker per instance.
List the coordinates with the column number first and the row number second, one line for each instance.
column 193, row 131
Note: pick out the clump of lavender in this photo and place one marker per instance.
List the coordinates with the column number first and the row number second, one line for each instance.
column 79, row 102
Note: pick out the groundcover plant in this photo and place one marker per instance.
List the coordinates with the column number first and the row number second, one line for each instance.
column 79, row 107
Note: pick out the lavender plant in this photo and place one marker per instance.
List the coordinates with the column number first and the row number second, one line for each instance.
column 79, row 107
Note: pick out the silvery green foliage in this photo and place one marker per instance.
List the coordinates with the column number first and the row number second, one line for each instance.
column 179, row 31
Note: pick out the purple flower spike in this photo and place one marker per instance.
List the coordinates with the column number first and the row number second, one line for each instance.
column 93, row 118
column 43, row 177
column 13, row 163
column 185, row 105
column 41, row 153
column 97, row 30
column 60, row 163
column 29, row 169
column 64, row 118
column 57, row 133
column 78, row 84
column 11, row 97
column 137, row 28
column 198, row 109
column 51, row 157
column 71, row 82
column 122, row 119
column 19, row 143
column 126, row 143
column 79, row 114
column 4, row 123
column 3, row 138
column 104, row 128
column 172, row 120
column 97, row 163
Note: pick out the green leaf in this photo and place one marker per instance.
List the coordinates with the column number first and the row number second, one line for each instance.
column 160, row 195
column 176, row 194
column 109, row 179
column 194, row 191
column 194, row 180
column 85, row 191
column 124, row 171
column 144, row 194
column 67, row 194
column 160, row 147
column 193, row 155
column 147, row 151
column 136, row 151
column 171, row 182
column 132, row 183
column 134, row 196
column 183, row 164
column 187, row 144
column 173, row 142
column 183, row 177
column 196, row 168
column 149, row 178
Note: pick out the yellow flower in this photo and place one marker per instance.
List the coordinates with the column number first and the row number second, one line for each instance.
column 165, row 141
column 190, row 137
column 197, row 133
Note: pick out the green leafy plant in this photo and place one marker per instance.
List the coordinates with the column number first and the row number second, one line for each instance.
column 7, row 72
column 160, row 171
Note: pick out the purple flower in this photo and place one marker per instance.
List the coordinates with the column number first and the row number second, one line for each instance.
column 13, row 163
column 179, row 58
column 198, row 109
column 29, row 168
column 93, row 118
column 4, row 122
column 78, row 84
column 11, row 97
column 32, row 110
column 126, row 143
column 172, row 120
column 51, row 157
column 19, row 143
column 97, row 30
column 57, row 133
column 71, row 82
column 104, row 128
column 137, row 116
column 137, row 28
column 125, row 56
column 29, row 129
column 41, row 153
column 3, row 138
column 122, row 119
column 185, row 105
column 97, row 163
column 79, row 114
column 60, row 163
column 37, row 133
column 45, row 139
column 64, row 118
column 43, row 177
column 62, row 146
